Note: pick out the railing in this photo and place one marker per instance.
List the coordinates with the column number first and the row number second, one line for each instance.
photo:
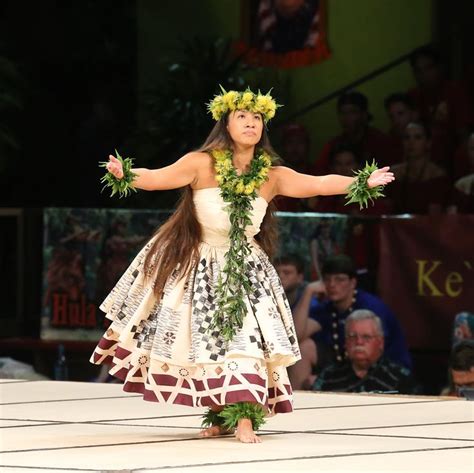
column 375, row 73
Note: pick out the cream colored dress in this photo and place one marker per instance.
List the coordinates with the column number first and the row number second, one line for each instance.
column 163, row 348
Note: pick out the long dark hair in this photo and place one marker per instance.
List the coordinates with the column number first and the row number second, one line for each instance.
column 176, row 243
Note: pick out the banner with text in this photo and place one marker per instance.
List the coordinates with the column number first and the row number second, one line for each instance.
column 426, row 274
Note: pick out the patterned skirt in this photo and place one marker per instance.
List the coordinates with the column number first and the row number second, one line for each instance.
column 164, row 350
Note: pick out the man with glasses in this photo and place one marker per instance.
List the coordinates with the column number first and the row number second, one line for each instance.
column 323, row 325
column 365, row 369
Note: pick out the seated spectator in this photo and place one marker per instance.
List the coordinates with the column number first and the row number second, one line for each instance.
column 463, row 327
column 365, row 369
column 290, row 269
column 461, row 368
column 321, row 330
column 463, row 193
column 369, row 143
column 421, row 186
column 295, row 146
column 401, row 112
column 444, row 105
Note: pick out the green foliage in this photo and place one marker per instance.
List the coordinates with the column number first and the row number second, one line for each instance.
column 233, row 283
column 232, row 413
column 176, row 116
column 123, row 187
column 211, row 418
column 359, row 191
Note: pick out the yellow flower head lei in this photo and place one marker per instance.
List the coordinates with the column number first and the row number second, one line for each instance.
column 247, row 100
column 234, row 284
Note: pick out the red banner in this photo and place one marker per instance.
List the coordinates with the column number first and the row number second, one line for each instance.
column 426, row 274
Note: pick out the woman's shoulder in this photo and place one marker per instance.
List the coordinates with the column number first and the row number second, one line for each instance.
column 197, row 156
column 197, row 159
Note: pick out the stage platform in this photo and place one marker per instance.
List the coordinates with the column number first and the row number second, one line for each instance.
column 50, row 426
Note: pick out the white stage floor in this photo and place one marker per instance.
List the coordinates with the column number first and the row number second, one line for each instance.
column 50, row 426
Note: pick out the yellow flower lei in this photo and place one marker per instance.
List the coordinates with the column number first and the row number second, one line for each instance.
column 239, row 191
column 247, row 100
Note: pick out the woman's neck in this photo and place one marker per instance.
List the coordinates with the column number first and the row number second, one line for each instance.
column 243, row 155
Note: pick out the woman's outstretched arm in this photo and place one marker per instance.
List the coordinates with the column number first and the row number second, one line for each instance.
column 294, row 184
column 179, row 174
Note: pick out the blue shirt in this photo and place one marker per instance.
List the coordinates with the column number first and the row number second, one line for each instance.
column 332, row 327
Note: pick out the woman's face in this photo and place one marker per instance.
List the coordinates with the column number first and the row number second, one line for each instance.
column 245, row 127
column 415, row 142
column 400, row 116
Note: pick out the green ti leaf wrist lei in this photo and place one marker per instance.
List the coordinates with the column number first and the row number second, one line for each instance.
column 359, row 191
column 123, row 187
column 233, row 283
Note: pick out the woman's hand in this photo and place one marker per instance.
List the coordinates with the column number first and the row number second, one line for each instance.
column 114, row 166
column 380, row 177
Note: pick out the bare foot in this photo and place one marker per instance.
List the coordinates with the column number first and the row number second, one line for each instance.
column 214, row 431
column 245, row 432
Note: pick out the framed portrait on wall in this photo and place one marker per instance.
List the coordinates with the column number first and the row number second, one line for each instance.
column 283, row 33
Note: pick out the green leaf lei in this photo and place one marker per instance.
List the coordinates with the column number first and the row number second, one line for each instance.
column 232, row 413
column 233, row 283
column 123, row 187
column 359, row 191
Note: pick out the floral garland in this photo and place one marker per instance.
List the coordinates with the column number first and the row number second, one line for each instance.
column 247, row 100
column 239, row 191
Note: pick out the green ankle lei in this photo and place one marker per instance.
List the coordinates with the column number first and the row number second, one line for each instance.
column 239, row 191
column 231, row 414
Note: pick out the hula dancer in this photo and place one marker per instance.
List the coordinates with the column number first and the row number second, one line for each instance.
column 200, row 317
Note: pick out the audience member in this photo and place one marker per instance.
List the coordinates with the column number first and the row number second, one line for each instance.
column 295, row 146
column 463, row 327
column 365, row 369
column 461, row 368
column 401, row 112
column 421, row 186
column 290, row 269
column 368, row 142
column 443, row 104
column 323, row 327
